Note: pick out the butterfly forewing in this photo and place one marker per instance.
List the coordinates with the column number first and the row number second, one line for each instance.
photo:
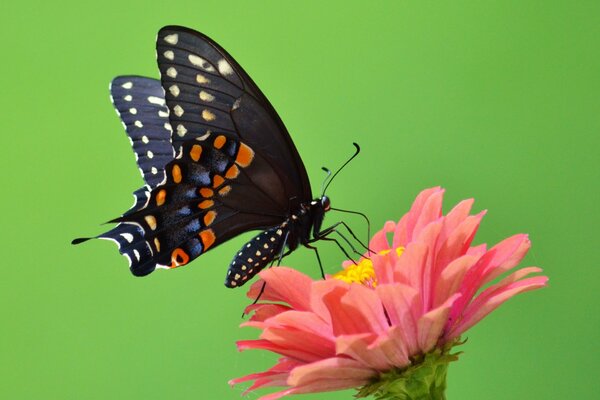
column 207, row 90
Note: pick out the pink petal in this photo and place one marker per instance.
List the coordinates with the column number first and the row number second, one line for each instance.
column 264, row 311
column 354, row 309
column 357, row 347
column 432, row 211
column 330, row 371
column 281, row 369
column 319, row 290
column 457, row 243
column 498, row 257
column 311, row 345
column 367, row 304
column 456, row 216
column 286, row 285
column 325, row 375
column 477, row 250
column 303, row 320
column 451, row 277
column 379, row 242
column 410, row 266
column 261, row 344
column 402, row 304
column 431, row 325
column 495, row 301
column 428, row 235
column 383, row 266
column 405, row 228
column 513, row 259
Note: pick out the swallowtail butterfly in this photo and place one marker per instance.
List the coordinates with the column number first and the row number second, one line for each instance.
column 217, row 161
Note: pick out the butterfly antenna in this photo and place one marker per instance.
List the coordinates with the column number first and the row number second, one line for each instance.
column 342, row 167
column 328, row 171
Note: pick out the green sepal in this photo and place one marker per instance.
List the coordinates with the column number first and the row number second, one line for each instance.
column 425, row 379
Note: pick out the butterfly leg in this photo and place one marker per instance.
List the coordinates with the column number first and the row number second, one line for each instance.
column 324, row 235
column 318, row 259
column 335, row 226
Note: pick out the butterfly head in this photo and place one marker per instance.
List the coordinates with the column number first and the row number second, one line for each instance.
column 325, row 203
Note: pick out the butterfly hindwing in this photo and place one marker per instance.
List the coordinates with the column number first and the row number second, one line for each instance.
column 200, row 205
column 140, row 104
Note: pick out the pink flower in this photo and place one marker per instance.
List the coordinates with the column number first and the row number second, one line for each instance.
column 414, row 297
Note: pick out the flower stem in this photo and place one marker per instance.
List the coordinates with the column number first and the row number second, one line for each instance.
column 425, row 379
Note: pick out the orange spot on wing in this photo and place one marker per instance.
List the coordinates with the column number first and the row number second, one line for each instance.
column 196, row 152
column 157, row 244
column 176, row 172
column 219, row 141
column 232, row 172
column 206, row 204
column 245, row 155
column 161, row 196
column 218, row 181
column 208, row 238
column 206, row 192
column 178, row 258
column 210, row 217
column 225, row 190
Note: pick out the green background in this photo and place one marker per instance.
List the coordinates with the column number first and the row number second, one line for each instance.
column 497, row 100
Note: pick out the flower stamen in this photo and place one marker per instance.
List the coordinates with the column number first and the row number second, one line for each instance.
column 362, row 272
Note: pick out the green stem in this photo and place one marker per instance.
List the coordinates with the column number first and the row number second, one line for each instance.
column 425, row 379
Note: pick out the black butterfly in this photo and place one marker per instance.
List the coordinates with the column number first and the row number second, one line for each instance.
column 217, row 161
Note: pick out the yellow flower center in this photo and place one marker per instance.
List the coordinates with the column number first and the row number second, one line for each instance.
column 362, row 272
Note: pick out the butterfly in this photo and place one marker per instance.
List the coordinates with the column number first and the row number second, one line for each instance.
column 217, row 161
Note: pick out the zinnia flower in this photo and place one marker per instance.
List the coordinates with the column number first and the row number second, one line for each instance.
column 386, row 325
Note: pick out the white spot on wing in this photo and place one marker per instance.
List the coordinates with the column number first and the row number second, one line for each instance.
column 163, row 114
column 150, row 154
column 169, row 54
column 137, row 254
column 168, row 127
column 181, row 131
column 156, row 100
column 133, row 111
column 127, row 236
column 172, row 39
column 204, row 96
column 172, row 72
column 178, row 110
column 201, row 62
column 224, row 67
column 145, row 139
column 154, row 171
column 202, row 79
column 128, row 98
column 138, row 123
column 203, row 137
column 127, row 85
column 174, row 89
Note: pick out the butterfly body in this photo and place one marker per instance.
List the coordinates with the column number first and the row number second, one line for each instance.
column 300, row 228
column 217, row 161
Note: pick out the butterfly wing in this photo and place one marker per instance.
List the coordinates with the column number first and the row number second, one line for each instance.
column 206, row 90
column 236, row 169
column 140, row 104
column 209, row 196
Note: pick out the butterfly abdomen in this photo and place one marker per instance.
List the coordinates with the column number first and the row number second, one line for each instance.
column 255, row 255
